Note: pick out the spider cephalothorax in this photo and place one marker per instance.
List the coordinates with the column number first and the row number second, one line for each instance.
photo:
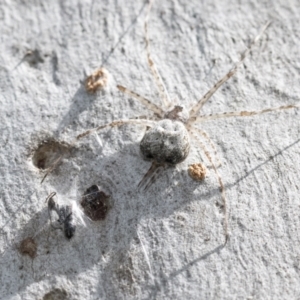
column 179, row 113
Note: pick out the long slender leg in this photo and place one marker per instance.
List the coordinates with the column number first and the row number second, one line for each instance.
column 157, row 78
column 211, row 143
column 221, row 186
column 51, row 204
column 149, row 178
column 116, row 123
column 90, row 131
column 195, row 110
column 143, row 100
column 241, row 113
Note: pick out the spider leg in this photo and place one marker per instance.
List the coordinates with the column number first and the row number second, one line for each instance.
column 195, row 109
column 52, row 205
column 211, row 143
column 143, row 100
column 242, row 113
column 207, row 154
column 149, row 178
column 157, row 78
column 50, row 196
column 116, row 123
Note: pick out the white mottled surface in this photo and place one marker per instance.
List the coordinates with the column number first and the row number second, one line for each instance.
column 165, row 243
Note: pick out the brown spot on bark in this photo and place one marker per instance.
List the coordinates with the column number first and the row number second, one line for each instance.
column 28, row 247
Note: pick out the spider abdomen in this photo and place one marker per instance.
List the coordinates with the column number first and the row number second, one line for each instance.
column 167, row 142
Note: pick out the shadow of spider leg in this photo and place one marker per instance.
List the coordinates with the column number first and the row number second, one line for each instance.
column 167, row 143
column 195, row 119
column 228, row 115
column 116, row 123
column 158, row 112
column 222, row 188
column 164, row 96
column 211, row 143
column 156, row 76
column 194, row 111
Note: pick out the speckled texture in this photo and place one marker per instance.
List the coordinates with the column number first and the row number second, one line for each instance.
column 165, row 243
column 167, row 142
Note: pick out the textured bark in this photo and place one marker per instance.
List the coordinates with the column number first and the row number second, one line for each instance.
column 165, row 243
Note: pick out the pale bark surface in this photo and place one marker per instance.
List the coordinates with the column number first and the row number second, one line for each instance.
column 165, row 243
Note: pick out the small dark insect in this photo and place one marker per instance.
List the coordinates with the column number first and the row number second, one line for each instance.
column 65, row 220
column 95, row 203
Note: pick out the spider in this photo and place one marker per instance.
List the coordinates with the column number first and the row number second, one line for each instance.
column 167, row 140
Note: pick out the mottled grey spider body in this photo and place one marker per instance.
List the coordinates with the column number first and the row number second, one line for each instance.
column 168, row 142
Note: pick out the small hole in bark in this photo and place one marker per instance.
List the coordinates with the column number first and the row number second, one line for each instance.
column 47, row 153
column 56, row 294
column 149, row 156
